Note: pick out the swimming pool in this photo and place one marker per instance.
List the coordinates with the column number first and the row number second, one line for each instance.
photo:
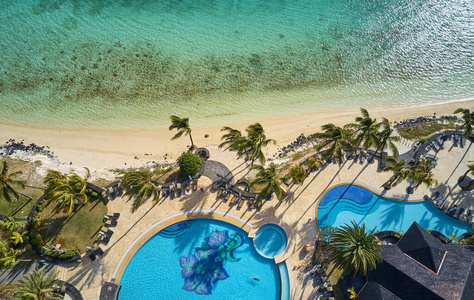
column 344, row 203
column 270, row 240
column 201, row 258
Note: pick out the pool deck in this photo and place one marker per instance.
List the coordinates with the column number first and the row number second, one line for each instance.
column 295, row 213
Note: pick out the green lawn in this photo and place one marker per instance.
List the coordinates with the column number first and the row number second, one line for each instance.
column 78, row 230
column 20, row 208
column 425, row 129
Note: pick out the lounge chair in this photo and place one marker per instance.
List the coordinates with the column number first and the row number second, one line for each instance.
column 194, row 185
column 227, row 196
column 179, row 190
column 111, row 223
column 116, row 191
column 187, row 187
column 97, row 249
column 220, row 191
column 92, row 256
column 240, row 203
column 235, row 199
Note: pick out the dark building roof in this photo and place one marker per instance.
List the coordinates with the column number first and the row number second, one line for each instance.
column 447, row 271
column 374, row 290
column 422, row 247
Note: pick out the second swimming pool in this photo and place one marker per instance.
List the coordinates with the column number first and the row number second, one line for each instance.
column 345, row 203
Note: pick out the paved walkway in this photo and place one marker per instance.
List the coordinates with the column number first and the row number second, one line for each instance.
column 217, row 171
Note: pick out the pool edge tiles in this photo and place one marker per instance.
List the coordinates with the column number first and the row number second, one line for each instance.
column 239, row 266
column 380, row 211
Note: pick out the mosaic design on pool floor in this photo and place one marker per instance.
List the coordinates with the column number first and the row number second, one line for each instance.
column 203, row 269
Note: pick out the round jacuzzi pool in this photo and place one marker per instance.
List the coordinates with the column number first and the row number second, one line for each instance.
column 270, row 240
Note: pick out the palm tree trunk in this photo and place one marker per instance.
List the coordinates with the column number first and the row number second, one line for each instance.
column 192, row 143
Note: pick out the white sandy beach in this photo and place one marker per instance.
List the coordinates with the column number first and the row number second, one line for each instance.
column 106, row 149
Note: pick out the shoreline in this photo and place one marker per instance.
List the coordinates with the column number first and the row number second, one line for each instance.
column 107, row 149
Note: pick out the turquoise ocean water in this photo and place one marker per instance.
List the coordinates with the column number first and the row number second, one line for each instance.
column 132, row 63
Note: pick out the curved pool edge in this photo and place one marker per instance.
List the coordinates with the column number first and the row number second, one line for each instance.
column 158, row 226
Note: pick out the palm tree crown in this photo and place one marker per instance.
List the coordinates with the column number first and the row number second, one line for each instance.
column 37, row 286
column 296, row 174
column 334, row 140
column 366, row 130
column 354, row 250
column 398, row 169
column 7, row 183
column 66, row 189
column 182, row 125
column 249, row 147
column 141, row 187
column 386, row 138
column 267, row 177
column 468, row 118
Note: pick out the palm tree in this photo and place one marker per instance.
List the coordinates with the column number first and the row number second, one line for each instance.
column 398, row 169
column 256, row 139
column 9, row 258
column 296, row 174
column 249, row 147
column 66, row 189
column 8, row 182
column 334, row 140
column 366, row 130
column 17, row 238
column 468, row 118
column 233, row 141
column 470, row 169
column 267, row 177
column 37, row 286
column 353, row 250
column 386, row 139
column 9, row 223
column 421, row 173
column 141, row 187
column 182, row 125
column 313, row 162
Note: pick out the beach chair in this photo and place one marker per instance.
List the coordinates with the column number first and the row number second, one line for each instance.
column 194, row 185
column 233, row 199
column 179, row 190
column 110, row 223
column 97, row 249
column 240, row 203
column 187, row 187
column 227, row 196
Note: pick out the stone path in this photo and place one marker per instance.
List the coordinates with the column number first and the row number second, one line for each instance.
column 217, row 171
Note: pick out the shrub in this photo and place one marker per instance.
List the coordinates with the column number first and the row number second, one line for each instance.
column 190, row 163
column 69, row 253
column 36, row 239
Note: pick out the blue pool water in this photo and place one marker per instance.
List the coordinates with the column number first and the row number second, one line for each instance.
column 270, row 240
column 344, row 203
column 156, row 270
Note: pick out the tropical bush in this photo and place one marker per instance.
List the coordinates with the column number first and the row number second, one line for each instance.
column 190, row 163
